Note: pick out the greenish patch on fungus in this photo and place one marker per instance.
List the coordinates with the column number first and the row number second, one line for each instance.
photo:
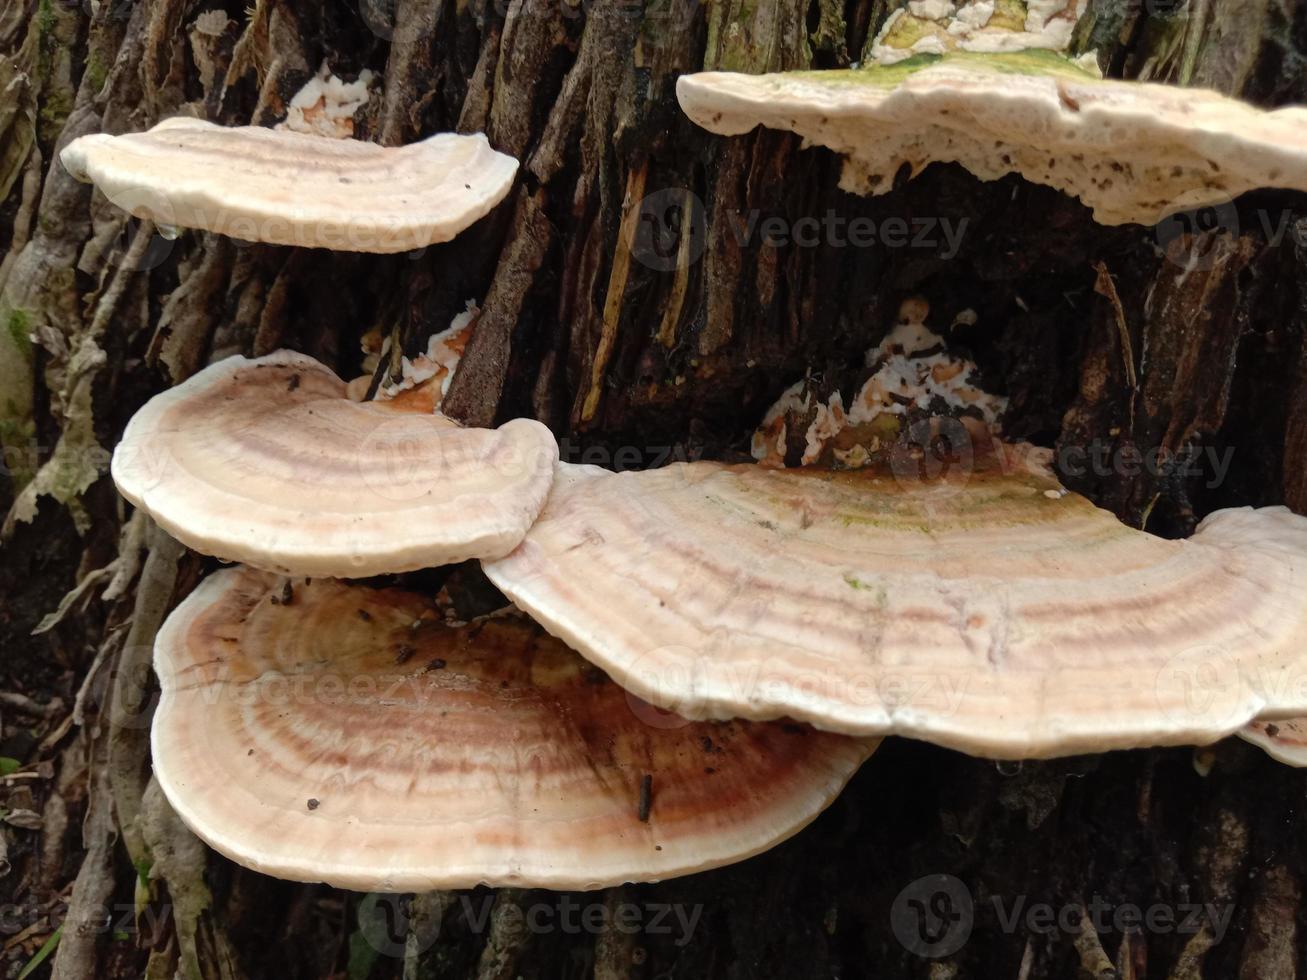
column 882, row 596
column 1031, row 62
column 908, row 30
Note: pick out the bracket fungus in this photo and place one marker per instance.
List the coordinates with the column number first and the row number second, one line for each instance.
column 430, row 373
column 911, row 377
column 348, row 738
column 325, row 105
column 267, row 461
column 1132, row 151
column 289, row 188
column 1284, row 740
column 986, row 610
column 940, row 26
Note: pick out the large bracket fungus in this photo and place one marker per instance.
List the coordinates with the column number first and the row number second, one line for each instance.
column 986, row 608
column 289, row 188
column 268, row 462
column 350, row 737
column 1134, row 152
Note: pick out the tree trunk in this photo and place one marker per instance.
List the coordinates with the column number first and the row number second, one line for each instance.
column 621, row 305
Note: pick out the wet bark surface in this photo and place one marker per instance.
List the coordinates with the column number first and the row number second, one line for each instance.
column 629, row 301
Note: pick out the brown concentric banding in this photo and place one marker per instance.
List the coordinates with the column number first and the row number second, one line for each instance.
column 445, row 757
column 268, row 462
column 992, row 612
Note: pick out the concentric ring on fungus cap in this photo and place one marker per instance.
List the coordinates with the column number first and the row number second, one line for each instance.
column 289, row 188
column 268, row 462
column 350, row 736
column 989, row 611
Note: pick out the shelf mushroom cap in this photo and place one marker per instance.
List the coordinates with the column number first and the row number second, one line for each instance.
column 1132, row 151
column 268, row 462
column 990, row 611
column 1284, row 740
column 289, row 188
column 346, row 737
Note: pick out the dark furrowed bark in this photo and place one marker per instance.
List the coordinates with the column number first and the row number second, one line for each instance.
column 629, row 301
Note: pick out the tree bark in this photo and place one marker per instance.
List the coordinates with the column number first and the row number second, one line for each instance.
column 620, row 306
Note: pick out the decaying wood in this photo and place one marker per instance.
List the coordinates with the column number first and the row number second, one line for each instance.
column 622, row 303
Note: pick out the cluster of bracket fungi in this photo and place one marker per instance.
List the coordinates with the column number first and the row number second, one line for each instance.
column 700, row 656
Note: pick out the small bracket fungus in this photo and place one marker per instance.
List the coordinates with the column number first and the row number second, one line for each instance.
column 911, row 377
column 1132, row 151
column 351, row 737
column 288, row 188
column 268, row 462
column 1284, row 740
column 940, row 26
column 431, row 371
column 986, row 609
column 325, row 106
